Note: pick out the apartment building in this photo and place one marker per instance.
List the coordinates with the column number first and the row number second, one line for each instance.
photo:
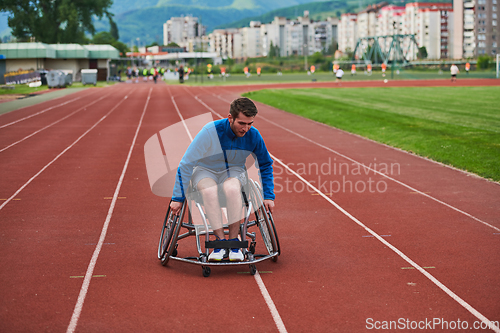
column 431, row 23
column 367, row 20
column 348, row 32
column 227, row 43
column 487, row 28
column 182, row 31
column 251, row 42
column 390, row 21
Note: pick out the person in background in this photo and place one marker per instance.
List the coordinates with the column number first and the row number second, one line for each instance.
column 181, row 74
column 454, row 71
column 338, row 75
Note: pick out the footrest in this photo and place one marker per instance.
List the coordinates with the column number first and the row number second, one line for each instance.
column 226, row 244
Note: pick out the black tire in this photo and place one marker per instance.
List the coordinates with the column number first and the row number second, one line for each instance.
column 253, row 269
column 278, row 248
column 265, row 222
column 168, row 238
column 206, row 271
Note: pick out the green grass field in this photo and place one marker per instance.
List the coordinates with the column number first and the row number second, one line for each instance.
column 458, row 126
column 268, row 78
column 24, row 89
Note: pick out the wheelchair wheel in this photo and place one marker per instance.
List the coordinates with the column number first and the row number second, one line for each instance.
column 265, row 222
column 168, row 239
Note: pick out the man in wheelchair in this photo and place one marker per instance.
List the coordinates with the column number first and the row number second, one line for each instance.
column 214, row 165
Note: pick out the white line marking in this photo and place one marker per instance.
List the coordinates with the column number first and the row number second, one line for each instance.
column 182, row 119
column 375, row 171
column 36, row 132
column 40, row 112
column 270, row 304
column 450, row 293
column 60, row 154
column 93, row 261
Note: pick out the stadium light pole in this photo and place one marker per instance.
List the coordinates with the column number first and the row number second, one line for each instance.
column 498, row 64
column 394, row 50
column 305, row 57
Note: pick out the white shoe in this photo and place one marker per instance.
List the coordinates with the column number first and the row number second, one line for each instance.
column 217, row 255
column 236, row 255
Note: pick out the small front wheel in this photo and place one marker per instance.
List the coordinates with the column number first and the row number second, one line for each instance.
column 253, row 269
column 206, row 271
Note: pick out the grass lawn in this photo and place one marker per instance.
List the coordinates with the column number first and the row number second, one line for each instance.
column 458, row 126
column 24, row 89
column 268, row 78
column 21, row 89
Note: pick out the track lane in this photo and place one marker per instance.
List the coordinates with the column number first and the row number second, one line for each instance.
column 17, row 134
column 28, row 112
column 362, row 201
column 48, row 235
column 25, row 159
column 179, row 292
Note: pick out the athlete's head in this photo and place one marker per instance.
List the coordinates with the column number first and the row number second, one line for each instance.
column 243, row 105
column 241, row 115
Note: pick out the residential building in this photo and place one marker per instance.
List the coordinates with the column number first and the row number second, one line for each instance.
column 181, row 30
column 251, row 40
column 348, row 32
column 431, row 23
column 487, row 28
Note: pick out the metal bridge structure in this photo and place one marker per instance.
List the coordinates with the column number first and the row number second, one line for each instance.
column 398, row 48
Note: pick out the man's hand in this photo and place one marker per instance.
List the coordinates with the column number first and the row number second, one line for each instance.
column 176, row 206
column 269, row 204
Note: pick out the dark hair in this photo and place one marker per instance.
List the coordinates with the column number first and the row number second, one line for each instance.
column 243, row 105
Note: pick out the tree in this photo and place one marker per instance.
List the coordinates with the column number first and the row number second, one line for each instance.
column 317, row 58
column 422, row 53
column 54, row 21
column 483, row 62
column 113, row 29
column 105, row 37
column 333, row 47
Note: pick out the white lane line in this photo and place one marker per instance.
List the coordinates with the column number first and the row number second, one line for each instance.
column 40, row 112
column 50, row 125
column 367, row 167
column 269, row 301
column 180, row 116
column 270, row 304
column 90, row 270
column 60, row 154
column 450, row 293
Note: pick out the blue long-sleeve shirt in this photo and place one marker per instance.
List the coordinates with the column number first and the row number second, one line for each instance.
column 217, row 148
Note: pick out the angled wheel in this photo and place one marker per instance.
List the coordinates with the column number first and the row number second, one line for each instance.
column 206, row 271
column 265, row 222
column 168, row 239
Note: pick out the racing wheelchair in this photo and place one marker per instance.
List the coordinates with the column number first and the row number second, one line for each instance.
column 255, row 215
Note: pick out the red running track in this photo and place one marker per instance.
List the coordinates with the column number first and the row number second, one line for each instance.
column 379, row 236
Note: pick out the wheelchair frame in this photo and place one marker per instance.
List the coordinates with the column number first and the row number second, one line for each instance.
column 254, row 204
